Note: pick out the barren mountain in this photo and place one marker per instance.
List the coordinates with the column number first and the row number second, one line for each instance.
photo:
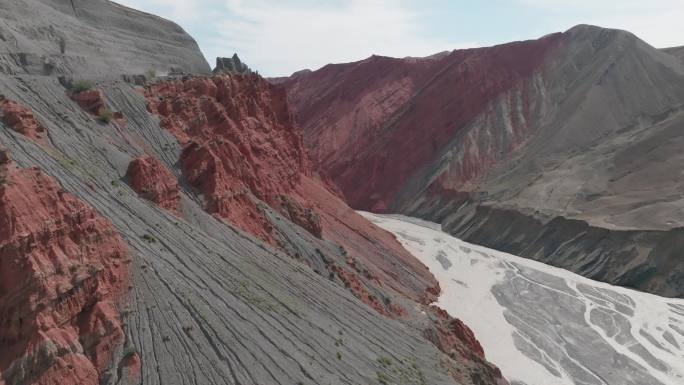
column 171, row 230
column 566, row 149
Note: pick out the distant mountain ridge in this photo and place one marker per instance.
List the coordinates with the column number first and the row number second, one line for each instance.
column 564, row 149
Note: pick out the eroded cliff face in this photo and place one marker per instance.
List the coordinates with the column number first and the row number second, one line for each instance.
column 241, row 150
column 239, row 143
column 559, row 130
column 244, row 155
column 62, row 273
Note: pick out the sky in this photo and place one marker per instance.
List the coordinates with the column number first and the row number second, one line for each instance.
column 279, row 37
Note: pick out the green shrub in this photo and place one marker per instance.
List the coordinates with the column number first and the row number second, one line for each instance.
column 81, row 85
column 384, row 361
column 151, row 74
column 105, row 115
column 149, row 238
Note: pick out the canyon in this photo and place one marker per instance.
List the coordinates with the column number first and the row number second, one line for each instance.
column 165, row 223
column 565, row 149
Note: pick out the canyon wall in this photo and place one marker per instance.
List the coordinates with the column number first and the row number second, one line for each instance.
column 561, row 131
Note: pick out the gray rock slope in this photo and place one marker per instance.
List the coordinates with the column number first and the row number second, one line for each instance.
column 678, row 52
column 209, row 304
column 91, row 37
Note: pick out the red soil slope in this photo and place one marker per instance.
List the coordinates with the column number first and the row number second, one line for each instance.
column 372, row 125
column 61, row 274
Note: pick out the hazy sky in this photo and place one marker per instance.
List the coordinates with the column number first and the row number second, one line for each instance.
column 278, row 37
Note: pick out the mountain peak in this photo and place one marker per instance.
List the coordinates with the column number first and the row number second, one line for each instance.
column 588, row 30
column 231, row 64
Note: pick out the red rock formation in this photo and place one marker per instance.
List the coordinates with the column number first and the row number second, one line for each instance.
column 373, row 125
column 153, row 181
column 60, row 276
column 454, row 334
column 120, row 119
column 239, row 143
column 90, row 100
column 21, row 119
column 240, row 149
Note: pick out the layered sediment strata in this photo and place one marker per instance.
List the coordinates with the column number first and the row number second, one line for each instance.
column 558, row 134
column 62, row 273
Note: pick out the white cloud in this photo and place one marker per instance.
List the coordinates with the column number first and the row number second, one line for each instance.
column 282, row 38
column 278, row 37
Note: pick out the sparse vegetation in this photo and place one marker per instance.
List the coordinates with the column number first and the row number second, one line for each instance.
column 149, row 238
column 105, row 115
column 81, row 85
column 339, row 355
column 151, row 74
column 382, row 378
column 384, row 361
column 66, row 163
